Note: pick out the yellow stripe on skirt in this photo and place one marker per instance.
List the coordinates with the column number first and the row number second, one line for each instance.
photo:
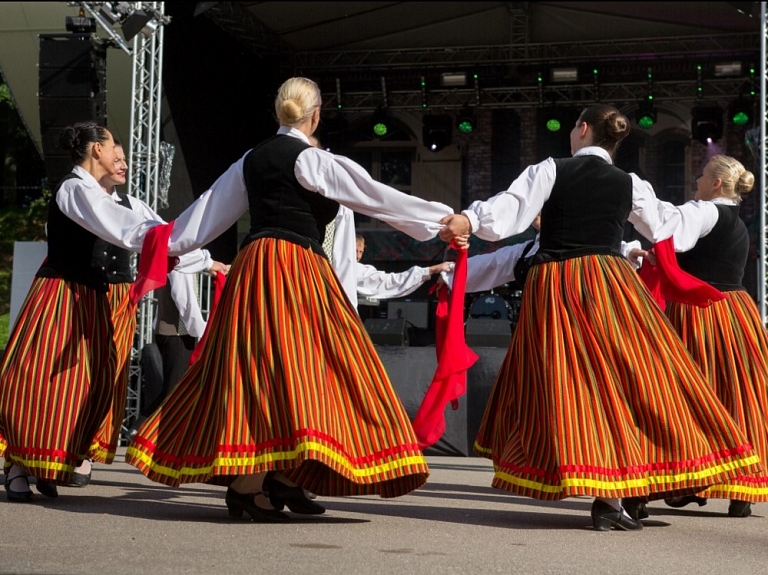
column 123, row 314
column 729, row 343
column 597, row 395
column 56, row 378
column 289, row 380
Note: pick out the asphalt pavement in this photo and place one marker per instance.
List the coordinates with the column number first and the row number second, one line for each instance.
column 124, row 524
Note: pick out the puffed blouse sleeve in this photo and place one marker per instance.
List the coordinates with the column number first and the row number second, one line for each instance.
column 340, row 179
column 512, row 211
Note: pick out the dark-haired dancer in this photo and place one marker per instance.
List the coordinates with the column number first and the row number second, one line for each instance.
column 597, row 395
column 58, row 374
column 727, row 338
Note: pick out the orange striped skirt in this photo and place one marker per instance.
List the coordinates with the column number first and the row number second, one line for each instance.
column 288, row 380
column 123, row 331
column 597, row 395
column 729, row 343
column 56, row 378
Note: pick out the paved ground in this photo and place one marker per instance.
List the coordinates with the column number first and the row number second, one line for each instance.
column 124, row 524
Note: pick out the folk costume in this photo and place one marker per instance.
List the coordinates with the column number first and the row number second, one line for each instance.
column 597, row 395
column 727, row 339
column 288, row 379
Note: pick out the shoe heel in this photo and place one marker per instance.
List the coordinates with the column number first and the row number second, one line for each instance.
column 235, row 512
column 601, row 523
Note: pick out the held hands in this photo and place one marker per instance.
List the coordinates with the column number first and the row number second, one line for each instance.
column 635, row 255
column 455, row 225
column 441, row 267
column 217, row 267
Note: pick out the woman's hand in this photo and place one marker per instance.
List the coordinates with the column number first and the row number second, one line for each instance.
column 635, row 255
column 217, row 267
column 441, row 267
column 455, row 225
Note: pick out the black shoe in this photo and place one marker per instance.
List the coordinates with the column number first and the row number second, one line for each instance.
column 678, row 502
column 79, row 479
column 281, row 495
column 739, row 508
column 47, row 488
column 604, row 517
column 237, row 503
column 17, row 496
column 635, row 508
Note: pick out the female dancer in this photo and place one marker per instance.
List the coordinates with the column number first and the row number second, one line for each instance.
column 288, row 391
column 58, row 372
column 597, row 395
column 727, row 339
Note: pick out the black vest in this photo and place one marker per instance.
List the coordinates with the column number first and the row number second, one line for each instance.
column 279, row 206
column 719, row 258
column 75, row 254
column 586, row 211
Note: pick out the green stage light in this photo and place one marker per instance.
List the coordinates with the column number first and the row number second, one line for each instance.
column 646, row 115
column 553, row 125
column 465, row 121
column 740, row 112
column 380, row 129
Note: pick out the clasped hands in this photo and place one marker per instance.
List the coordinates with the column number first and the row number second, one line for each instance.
column 457, row 228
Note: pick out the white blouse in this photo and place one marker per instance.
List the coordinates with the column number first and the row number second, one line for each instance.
column 658, row 220
column 85, row 202
column 373, row 283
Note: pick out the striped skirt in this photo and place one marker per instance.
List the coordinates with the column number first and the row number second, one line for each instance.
column 729, row 343
column 597, row 395
column 123, row 331
column 287, row 380
column 56, row 378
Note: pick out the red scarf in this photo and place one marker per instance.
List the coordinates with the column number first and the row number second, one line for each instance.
column 154, row 263
column 454, row 358
column 667, row 282
column 218, row 287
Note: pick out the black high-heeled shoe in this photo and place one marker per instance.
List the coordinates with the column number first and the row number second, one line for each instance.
column 282, row 495
column 237, row 503
column 635, row 507
column 47, row 488
column 17, row 496
column 678, row 502
column 604, row 517
column 739, row 508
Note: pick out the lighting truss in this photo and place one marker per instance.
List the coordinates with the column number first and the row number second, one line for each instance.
column 762, row 270
column 684, row 91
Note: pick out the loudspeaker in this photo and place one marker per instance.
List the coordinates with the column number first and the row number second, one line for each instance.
column 387, row 331
column 480, row 332
column 72, row 89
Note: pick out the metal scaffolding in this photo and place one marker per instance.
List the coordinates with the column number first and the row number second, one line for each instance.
column 762, row 289
column 144, row 161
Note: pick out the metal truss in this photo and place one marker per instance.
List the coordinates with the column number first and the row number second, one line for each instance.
column 656, row 49
column 144, row 181
column 525, row 97
column 762, row 269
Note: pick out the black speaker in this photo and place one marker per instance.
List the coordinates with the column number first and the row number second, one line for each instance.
column 387, row 331
column 480, row 332
column 72, row 88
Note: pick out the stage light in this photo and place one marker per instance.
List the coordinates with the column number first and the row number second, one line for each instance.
column 565, row 74
column 646, row 115
column 465, row 121
column 380, row 125
column 727, row 69
column 80, row 25
column 740, row 112
column 707, row 124
column 453, row 79
column 437, row 132
column 553, row 125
